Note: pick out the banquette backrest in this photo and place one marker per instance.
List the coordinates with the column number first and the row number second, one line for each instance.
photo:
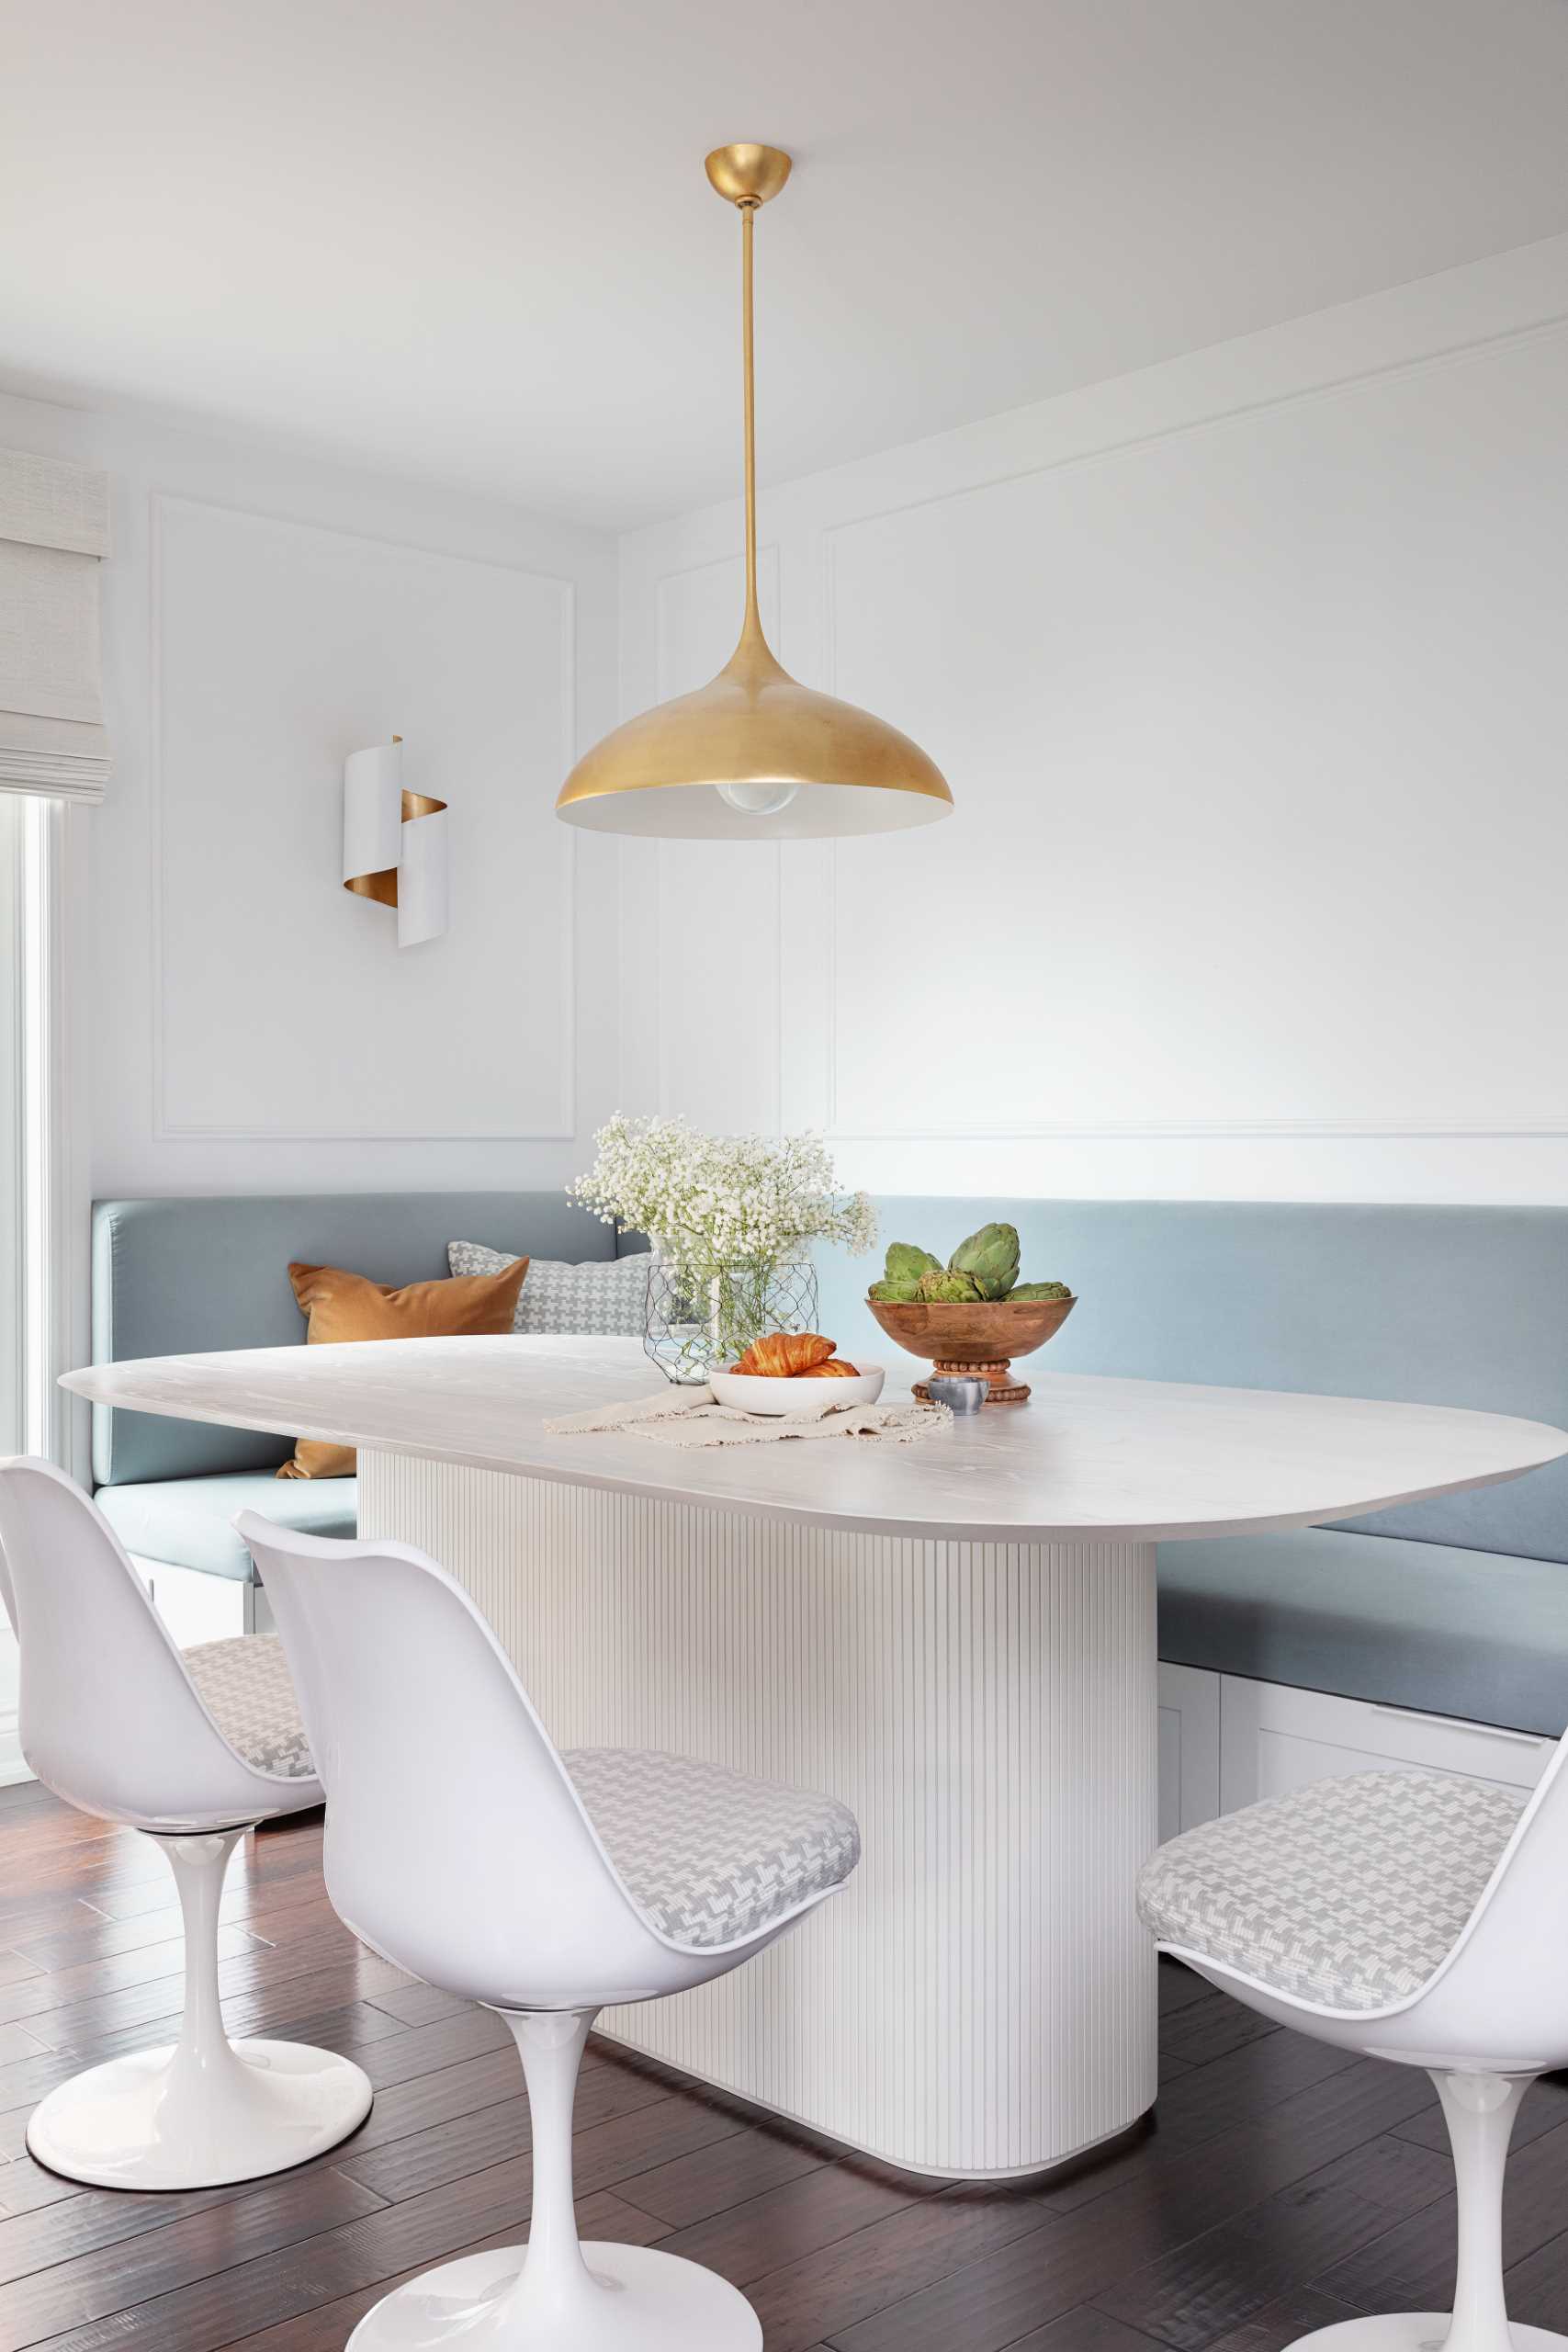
column 1451, row 1306
column 1433, row 1305
column 181, row 1276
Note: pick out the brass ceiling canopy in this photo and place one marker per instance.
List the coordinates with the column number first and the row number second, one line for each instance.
column 754, row 755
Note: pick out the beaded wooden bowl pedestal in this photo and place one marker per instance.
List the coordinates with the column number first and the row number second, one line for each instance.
column 976, row 1339
column 1004, row 1388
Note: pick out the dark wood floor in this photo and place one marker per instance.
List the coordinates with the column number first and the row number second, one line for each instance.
column 1284, row 2186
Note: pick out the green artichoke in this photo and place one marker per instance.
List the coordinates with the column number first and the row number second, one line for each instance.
column 1041, row 1290
column 895, row 1293
column 906, row 1263
column 989, row 1258
column 945, row 1287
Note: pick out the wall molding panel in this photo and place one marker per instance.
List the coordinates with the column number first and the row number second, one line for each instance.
column 1457, row 355
column 498, row 643
column 1242, row 672
column 1523, row 1122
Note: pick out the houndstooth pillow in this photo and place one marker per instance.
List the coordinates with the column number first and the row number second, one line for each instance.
column 710, row 1856
column 1349, row 1893
column 606, row 1295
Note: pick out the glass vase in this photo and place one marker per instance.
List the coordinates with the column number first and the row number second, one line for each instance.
column 700, row 1318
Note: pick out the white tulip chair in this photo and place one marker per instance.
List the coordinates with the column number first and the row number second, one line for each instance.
column 1417, row 1916
column 193, row 1749
column 461, row 1846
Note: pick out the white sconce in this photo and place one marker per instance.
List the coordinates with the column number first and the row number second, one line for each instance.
column 394, row 842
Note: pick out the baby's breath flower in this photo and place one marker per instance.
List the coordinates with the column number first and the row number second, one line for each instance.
column 706, row 1200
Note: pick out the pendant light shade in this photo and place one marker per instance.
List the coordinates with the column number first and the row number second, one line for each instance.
column 753, row 755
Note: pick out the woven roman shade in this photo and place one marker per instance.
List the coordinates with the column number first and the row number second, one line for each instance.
column 54, row 530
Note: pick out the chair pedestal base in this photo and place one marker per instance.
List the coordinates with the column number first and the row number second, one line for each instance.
column 203, row 2111
column 635, row 2299
column 556, row 2294
column 155, row 2121
column 1479, row 2109
column 1416, row 2332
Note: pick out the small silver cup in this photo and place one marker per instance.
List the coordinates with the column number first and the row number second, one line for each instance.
column 963, row 1394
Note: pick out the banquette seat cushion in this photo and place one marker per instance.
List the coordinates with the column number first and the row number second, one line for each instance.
column 1431, row 1626
column 186, row 1522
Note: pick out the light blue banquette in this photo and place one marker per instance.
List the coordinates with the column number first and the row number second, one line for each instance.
column 1455, row 1607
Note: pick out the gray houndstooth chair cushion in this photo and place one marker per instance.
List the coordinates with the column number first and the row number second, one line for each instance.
column 246, row 1687
column 1349, row 1893
column 710, row 1856
column 604, row 1296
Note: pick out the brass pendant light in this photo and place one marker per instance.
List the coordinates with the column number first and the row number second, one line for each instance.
column 754, row 755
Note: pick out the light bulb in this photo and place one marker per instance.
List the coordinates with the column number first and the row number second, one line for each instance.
column 758, row 799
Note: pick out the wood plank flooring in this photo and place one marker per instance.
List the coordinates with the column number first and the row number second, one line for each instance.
column 1283, row 2186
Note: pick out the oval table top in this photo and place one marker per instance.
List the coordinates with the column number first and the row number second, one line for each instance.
column 1115, row 1460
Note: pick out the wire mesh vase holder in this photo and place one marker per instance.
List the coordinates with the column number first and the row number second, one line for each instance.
column 701, row 1318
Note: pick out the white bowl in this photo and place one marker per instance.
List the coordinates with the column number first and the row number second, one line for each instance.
column 752, row 1392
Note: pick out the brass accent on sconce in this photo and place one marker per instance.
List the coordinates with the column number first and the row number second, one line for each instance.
column 383, row 886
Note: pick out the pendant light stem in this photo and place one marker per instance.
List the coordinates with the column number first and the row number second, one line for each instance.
column 752, row 623
column 753, row 754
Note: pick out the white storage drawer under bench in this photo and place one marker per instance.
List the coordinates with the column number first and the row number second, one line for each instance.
column 1226, row 1742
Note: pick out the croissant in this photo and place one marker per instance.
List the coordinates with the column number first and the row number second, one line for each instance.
column 834, row 1369
column 782, row 1355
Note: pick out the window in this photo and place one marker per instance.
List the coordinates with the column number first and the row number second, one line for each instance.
column 31, row 1270
column 28, row 1418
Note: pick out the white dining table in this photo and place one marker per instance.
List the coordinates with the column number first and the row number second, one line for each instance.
column 956, row 1636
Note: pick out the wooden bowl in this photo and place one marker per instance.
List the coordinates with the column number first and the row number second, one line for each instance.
column 978, row 1337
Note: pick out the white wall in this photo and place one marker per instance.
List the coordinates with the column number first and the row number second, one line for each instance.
column 250, row 1026
column 1247, row 673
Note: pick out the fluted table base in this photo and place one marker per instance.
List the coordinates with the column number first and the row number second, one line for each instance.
column 980, row 2003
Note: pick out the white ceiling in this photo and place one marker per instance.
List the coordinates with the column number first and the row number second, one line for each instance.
column 471, row 238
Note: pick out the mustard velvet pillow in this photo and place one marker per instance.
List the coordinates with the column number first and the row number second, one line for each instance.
column 341, row 1307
